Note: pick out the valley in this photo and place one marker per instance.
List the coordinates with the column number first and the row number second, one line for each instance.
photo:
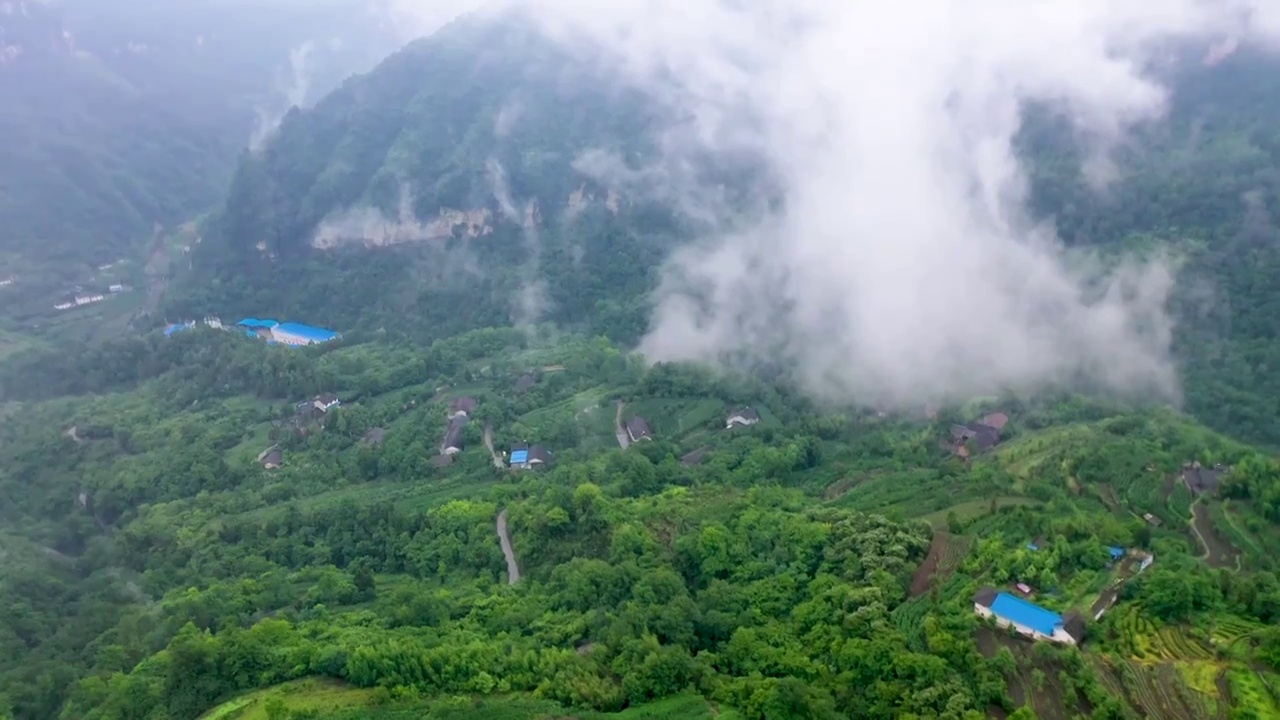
column 641, row 400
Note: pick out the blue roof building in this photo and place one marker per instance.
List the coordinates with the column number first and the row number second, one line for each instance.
column 528, row 457
column 1027, row 618
column 1116, row 552
column 256, row 323
column 291, row 333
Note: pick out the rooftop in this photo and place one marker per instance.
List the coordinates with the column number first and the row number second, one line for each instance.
column 308, row 332
column 256, row 323
column 1022, row 612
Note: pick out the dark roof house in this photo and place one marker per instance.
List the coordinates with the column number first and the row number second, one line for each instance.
column 525, row 456
column 272, row 458
column 526, row 381
column 742, row 417
column 638, row 429
column 462, row 405
column 1200, row 479
column 984, row 436
column 452, row 442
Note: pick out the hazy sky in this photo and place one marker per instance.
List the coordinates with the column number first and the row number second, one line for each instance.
column 903, row 267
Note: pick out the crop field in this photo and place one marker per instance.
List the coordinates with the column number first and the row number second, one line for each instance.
column 1151, row 644
column 673, row 417
column 946, row 551
column 1142, row 493
column 1229, row 629
column 1218, row 552
column 1232, row 528
column 1156, row 691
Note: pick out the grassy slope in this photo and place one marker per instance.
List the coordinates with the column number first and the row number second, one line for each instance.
column 1032, row 459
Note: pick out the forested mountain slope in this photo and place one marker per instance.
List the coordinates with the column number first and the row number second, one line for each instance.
column 403, row 176
column 458, row 159
column 118, row 117
column 818, row 564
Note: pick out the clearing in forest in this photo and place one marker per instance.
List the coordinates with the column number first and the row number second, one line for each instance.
column 1218, row 552
column 945, row 553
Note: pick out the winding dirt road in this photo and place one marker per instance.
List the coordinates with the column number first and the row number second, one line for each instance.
column 513, row 568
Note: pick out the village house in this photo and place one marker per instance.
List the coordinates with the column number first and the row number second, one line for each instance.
column 271, row 458
column 638, row 429
column 462, row 406
column 983, row 434
column 742, row 417
column 1201, row 480
column 1028, row 619
column 452, row 443
column 374, row 437
column 529, row 457
column 325, row 403
column 525, row 382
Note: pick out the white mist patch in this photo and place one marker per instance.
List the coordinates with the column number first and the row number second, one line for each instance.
column 902, row 265
column 292, row 88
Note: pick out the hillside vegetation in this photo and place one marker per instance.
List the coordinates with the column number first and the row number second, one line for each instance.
column 784, row 572
column 193, row 529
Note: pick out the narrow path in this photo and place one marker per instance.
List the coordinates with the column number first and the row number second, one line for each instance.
column 619, row 431
column 513, row 569
column 488, row 442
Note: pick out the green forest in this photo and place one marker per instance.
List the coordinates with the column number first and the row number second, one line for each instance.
column 199, row 525
column 817, row 564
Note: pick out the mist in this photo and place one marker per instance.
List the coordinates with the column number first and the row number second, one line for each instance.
column 902, row 265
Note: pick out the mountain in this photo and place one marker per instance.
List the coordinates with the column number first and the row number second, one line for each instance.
column 470, row 141
column 121, row 118
column 384, row 206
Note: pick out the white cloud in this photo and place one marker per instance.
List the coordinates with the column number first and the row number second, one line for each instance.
column 903, row 266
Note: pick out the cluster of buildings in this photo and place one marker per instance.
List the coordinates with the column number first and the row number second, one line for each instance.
column 288, row 333
column 275, row 333
column 80, row 298
column 981, row 435
column 1037, row 623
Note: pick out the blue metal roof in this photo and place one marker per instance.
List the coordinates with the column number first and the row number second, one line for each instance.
column 1017, row 610
column 1032, row 546
column 306, row 331
column 519, row 456
column 175, row 328
column 1116, row 552
column 256, row 323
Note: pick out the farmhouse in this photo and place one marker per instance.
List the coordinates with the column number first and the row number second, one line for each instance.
column 638, row 429
column 296, row 334
column 528, row 457
column 1200, row 479
column 1027, row 618
column 462, row 406
column 525, row 382
column 289, row 333
column 271, row 458
column 742, row 417
column 983, row 434
column 452, row 443
column 325, row 403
